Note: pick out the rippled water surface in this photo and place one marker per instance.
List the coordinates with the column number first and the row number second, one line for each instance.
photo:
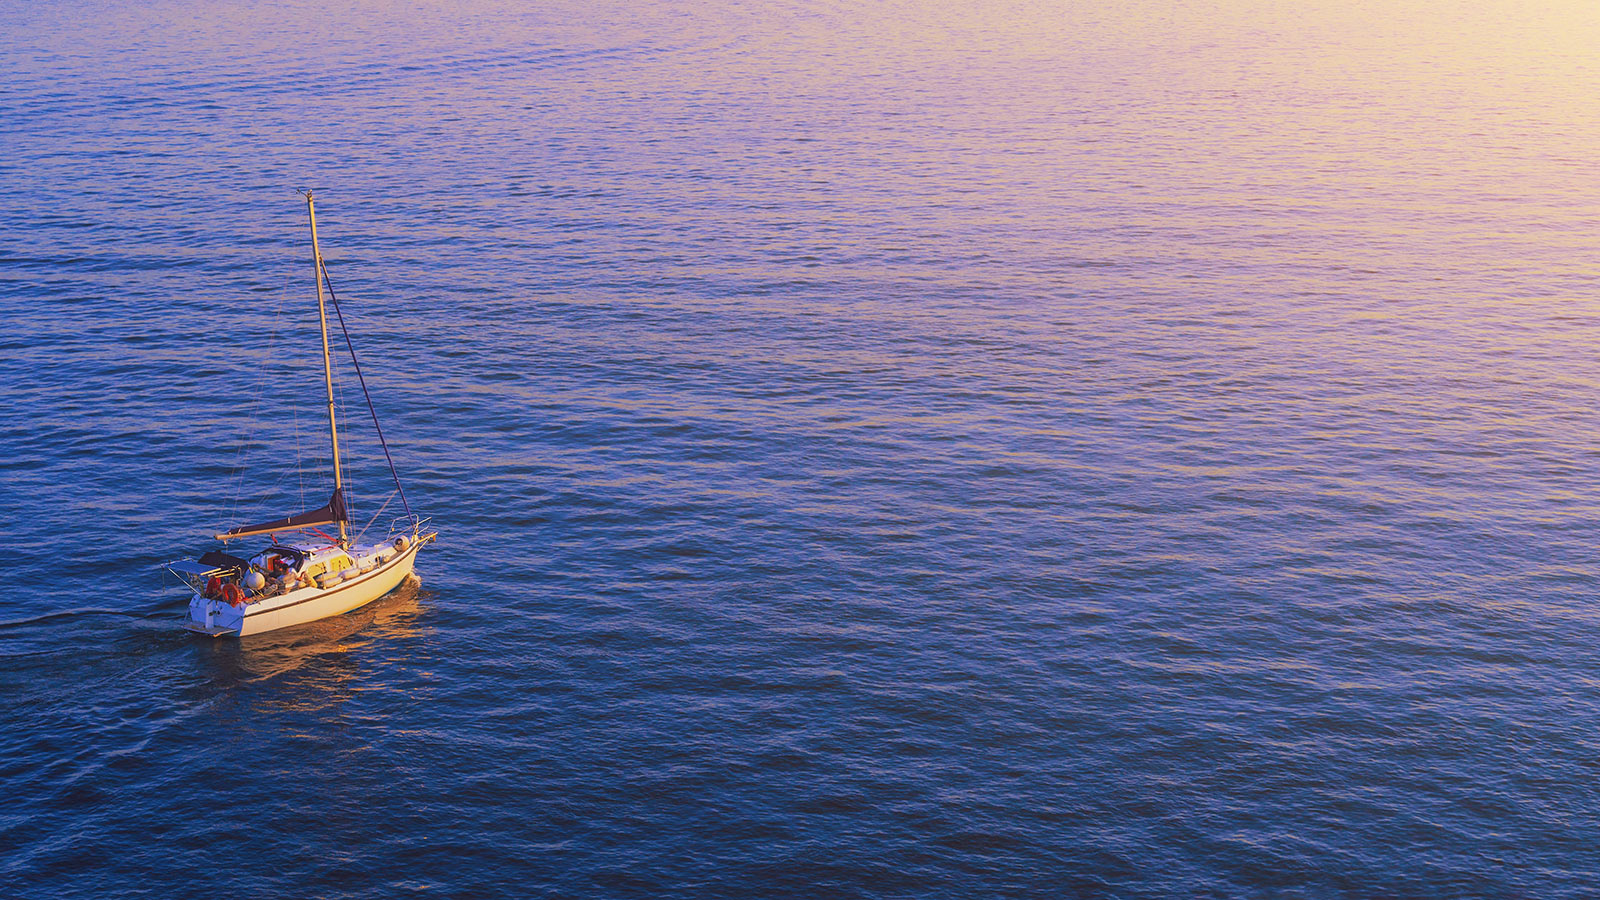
column 886, row 450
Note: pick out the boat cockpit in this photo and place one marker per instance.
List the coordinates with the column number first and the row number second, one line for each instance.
column 279, row 569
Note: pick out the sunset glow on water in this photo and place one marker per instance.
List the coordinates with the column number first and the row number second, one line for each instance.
column 941, row 451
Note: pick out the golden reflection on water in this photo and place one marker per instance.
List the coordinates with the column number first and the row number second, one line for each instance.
column 320, row 664
column 1098, row 378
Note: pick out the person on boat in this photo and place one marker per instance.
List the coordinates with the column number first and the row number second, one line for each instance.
column 213, row 588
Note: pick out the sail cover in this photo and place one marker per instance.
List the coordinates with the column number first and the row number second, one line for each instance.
column 333, row 512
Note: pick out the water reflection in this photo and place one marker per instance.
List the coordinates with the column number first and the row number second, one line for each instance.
column 319, row 664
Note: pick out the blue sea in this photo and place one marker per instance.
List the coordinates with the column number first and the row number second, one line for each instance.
column 879, row 450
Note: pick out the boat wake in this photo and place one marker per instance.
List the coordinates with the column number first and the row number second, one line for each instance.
column 68, row 613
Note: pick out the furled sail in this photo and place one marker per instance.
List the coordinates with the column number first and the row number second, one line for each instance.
column 333, row 512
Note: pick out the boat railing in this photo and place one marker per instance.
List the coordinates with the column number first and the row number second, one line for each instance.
column 411, row 524
column 192, row 573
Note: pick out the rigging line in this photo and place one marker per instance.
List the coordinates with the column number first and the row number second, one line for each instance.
column 265, row 374
column 359, row 377
column 268, row 493
column 375, row 516
column 299, row 464
column 347, row 446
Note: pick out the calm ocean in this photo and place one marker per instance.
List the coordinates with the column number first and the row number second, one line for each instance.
column 885, row 450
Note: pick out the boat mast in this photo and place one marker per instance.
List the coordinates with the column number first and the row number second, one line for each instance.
column 327, row 364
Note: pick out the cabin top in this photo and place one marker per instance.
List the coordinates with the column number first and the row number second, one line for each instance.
column 302, row 558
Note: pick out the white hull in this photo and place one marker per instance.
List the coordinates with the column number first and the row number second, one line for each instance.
column 308, row 604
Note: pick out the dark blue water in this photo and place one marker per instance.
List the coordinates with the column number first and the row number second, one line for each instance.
column 983, row 451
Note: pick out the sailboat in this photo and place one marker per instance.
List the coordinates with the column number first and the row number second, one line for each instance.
column 304, row 574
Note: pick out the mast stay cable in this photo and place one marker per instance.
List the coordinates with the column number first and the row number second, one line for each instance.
column 362, row 379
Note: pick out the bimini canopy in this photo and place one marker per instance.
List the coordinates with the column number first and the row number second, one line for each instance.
column 213, row 563
column 218, row 562
column 333, row 512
